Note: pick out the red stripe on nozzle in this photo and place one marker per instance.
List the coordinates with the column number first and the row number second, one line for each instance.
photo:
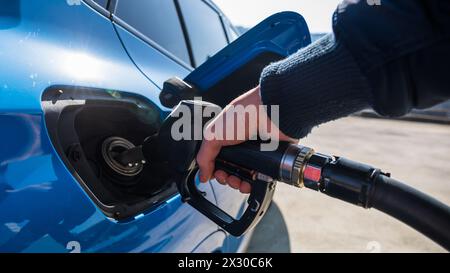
column 312, row 173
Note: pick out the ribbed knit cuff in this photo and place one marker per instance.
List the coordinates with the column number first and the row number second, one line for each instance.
column 317, row 84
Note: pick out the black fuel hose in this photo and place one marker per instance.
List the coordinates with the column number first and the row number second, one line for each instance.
column 414, row 208
column 353, row 182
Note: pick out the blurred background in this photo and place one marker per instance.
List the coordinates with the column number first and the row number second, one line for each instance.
column 415, row 149
column 247, row 13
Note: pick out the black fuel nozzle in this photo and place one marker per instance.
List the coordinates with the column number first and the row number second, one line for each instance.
column 295, row 165
column 175, row 90
column 131, row 156
column 179, row 155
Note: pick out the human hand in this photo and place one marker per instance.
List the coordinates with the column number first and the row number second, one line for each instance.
column 239, row 131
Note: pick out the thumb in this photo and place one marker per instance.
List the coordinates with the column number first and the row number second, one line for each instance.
column 287, row 138
column 206, row 158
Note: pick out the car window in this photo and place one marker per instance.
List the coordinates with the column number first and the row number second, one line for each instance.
column 205, row 29
column 158, row 20
column 102, row 3
column 232, row 34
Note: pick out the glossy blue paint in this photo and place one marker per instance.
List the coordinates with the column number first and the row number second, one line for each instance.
column 282, row 34
column 43, row 208
column 145, row 56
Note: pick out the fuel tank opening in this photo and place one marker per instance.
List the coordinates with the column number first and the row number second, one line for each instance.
column 96, row 133
column 112, row 148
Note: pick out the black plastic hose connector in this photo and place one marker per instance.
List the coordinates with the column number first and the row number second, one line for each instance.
column 349, row 181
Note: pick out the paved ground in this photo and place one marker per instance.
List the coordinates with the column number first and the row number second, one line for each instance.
column 305, row 221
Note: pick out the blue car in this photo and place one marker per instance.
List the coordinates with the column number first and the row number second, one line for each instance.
column 79, row 83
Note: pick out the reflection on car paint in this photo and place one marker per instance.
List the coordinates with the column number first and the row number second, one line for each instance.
column 43, row 208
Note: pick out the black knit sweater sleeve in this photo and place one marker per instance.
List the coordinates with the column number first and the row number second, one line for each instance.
column 317, row 84
column 392, row 57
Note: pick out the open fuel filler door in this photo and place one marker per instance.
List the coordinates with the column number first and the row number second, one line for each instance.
column 237, row 67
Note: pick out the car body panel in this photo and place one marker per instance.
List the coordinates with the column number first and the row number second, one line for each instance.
column 85, row 52
column 149, row 60
column 52, row 43
column 43, row 207
column 281, row 34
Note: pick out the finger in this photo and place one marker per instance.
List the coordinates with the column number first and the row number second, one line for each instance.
column 245, row 187
column 234, row 182
column 289, row 139
column 205, row 159
column 221, row 177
